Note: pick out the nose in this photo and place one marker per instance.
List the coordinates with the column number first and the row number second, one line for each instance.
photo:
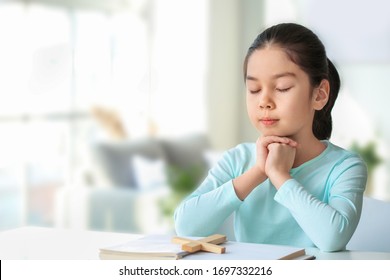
column 265, row 101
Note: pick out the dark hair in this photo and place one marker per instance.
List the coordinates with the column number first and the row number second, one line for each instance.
column 305, row 49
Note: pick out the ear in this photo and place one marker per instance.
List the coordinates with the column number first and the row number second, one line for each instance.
column 321, row 95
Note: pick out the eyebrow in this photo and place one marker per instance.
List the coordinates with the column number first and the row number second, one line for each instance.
column 274, row 77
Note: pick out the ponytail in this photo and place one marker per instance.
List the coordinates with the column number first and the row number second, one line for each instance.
column 322, row 124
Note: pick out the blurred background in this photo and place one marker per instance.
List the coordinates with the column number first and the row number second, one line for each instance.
column 111, row 111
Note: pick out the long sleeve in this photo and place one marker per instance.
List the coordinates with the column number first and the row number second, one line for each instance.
column 329, row 223
column 204, row 211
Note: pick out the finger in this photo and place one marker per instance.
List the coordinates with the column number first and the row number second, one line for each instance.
column 292, row 143
column 265, row 141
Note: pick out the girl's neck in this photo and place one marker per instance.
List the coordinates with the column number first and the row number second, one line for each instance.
column 308, row 148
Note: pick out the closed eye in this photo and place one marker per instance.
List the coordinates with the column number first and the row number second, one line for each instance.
column 283, row 89
column 254, row 91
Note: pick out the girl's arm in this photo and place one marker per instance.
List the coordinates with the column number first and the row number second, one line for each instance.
column 330, row 224
column 204, row 211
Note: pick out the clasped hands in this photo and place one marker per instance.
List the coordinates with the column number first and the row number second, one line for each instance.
column 275, row 157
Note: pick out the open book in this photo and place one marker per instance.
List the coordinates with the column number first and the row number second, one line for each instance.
column 160, row 247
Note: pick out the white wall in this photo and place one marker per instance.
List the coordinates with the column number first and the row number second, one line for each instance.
column 233, row 26
column 223, row 71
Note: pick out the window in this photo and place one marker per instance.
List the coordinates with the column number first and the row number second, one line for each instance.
column 61, row 61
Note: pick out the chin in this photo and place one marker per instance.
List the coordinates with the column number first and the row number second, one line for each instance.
column 273, row 132
column 277, row 133
column 281, row 131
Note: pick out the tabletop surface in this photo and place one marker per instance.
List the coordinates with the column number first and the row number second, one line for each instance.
column 69, row 244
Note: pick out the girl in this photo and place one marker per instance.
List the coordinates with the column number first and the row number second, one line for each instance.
column 293, row 186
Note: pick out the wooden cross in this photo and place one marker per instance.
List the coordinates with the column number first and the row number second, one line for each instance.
column 208, row 244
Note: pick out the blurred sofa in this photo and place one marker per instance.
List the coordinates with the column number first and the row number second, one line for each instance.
column 126, row 184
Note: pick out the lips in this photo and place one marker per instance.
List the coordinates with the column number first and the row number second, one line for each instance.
column 268, row 121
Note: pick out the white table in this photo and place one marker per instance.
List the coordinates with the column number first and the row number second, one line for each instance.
column 64, row 244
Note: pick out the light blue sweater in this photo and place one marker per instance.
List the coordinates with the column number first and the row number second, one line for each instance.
column 319, row 207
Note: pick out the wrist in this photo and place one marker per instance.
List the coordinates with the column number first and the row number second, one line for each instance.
column 246, row 182
column 259, row 173
column 279, row 178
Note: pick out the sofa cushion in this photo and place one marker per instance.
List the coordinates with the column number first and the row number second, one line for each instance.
column 186, row 151
column 149, row 173
column 113, row 160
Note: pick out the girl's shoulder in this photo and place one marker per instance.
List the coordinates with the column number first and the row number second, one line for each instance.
column 344, row 157
column 243, row 149
column 244, row 153
column 339, row 152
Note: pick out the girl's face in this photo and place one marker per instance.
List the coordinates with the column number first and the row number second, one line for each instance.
column 280, row 100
